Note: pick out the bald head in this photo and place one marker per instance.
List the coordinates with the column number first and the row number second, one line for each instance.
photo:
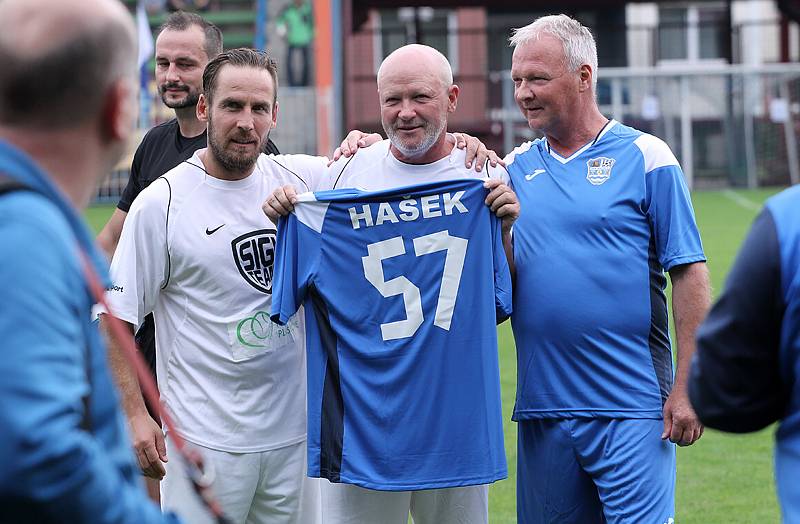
column 416, row 93
column 59, row 57
column 416, row 57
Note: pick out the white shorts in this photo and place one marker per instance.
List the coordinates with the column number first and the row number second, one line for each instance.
column 252, row 488
column 348, row 504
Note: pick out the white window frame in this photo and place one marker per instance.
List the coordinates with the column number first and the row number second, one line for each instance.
column 692, row 35
column 452, row 39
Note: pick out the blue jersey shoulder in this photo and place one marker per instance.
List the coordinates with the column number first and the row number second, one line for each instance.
column 31, row 226
column 784, row 208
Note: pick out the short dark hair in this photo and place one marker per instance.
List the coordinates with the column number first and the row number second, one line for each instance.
column 65, row 84
column 241, row 57
column 181, row 21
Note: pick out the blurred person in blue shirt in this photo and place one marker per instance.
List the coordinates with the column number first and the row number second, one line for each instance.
column 745, row 374
column 67, row 108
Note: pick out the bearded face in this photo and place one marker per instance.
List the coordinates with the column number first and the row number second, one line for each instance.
column 235, row 149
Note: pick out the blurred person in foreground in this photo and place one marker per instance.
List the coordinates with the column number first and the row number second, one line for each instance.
column 746, row 372
column 67, row 107
column 605, row 213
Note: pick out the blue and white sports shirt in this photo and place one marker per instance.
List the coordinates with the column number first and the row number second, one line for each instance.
column 596, row 232
column 402, row 289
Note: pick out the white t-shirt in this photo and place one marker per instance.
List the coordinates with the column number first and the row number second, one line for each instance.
column 197, row 252
column 375, row 168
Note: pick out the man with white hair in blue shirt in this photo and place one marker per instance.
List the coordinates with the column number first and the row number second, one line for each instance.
column 605, row 211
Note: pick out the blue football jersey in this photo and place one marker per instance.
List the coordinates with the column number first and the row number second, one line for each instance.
column 746, row 372
column 785, row 210
column 595, row 234
column 403, row 289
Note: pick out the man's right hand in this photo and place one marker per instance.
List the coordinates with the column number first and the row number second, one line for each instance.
column 281, row 203
column 149, row 445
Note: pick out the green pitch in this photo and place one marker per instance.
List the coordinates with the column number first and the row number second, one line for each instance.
column 721, row 479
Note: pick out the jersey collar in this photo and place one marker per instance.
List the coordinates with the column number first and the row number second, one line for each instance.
column 606, row 128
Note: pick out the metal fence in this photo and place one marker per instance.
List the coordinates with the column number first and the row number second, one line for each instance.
column 110, row 189
column 297, row 121
column 729, row 125
column 691, row 81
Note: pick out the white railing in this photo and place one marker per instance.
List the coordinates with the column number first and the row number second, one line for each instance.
column 728, row 124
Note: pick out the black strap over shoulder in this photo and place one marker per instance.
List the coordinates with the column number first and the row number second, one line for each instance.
column 8, row 185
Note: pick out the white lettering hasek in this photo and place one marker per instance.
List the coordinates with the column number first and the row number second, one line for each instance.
column 429, row 206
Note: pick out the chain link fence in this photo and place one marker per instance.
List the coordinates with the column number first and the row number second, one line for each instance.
column 729, row 125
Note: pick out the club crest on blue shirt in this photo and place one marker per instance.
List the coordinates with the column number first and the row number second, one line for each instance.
column 599, row 169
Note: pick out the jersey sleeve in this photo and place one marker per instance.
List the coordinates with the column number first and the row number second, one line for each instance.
column 306, row 172
column 140, row 267
column 341, row 173
column 335, row 172
column 313, row 168
column 296, row 258
column 502, row 273
column 735, row 382
column 47, row 458
column 498, row 172
column 134, row 185
column 669, row 206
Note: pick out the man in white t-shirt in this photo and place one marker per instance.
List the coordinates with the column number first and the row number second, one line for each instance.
column 416, row 92
column 197, row 252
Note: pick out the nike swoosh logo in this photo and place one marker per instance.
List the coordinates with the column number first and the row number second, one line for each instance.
column 212, row 231
column 536, row 172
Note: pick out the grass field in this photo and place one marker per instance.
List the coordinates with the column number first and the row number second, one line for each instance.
column 721, row 479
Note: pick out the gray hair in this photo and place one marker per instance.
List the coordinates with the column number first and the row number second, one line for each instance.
column 578, row 42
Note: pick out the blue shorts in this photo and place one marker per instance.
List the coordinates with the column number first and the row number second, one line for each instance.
column 594, row 470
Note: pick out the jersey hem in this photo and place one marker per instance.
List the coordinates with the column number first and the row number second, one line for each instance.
column 241, row 449
column 439, row 484
column 586, row 413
